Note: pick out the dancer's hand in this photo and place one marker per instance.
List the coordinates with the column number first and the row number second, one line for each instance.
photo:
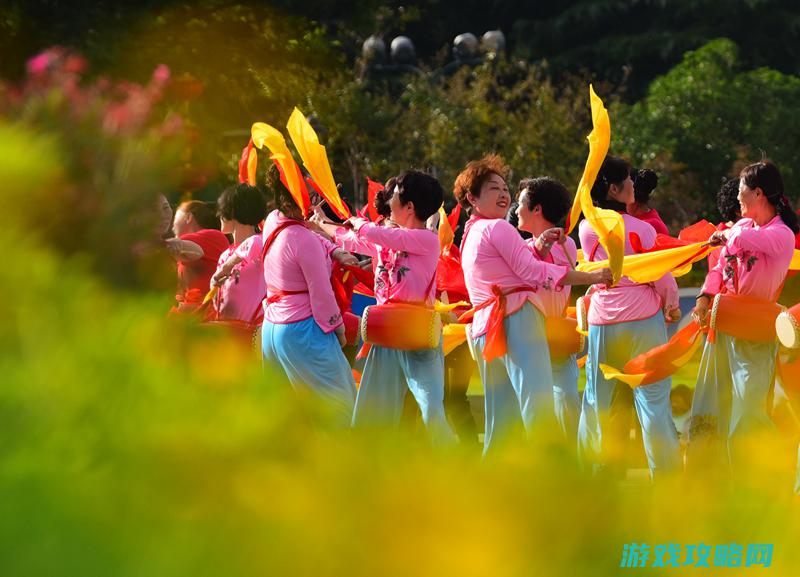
column 719, row 238
column 343, row 257
column 340, row 335
column 357, row 222
column 673, row 315
column 700, row 311
column 603, row 276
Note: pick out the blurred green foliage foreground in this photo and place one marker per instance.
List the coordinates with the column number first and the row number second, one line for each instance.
column 135, row 445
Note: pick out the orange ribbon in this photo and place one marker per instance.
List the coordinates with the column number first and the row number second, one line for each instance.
column 495, row 345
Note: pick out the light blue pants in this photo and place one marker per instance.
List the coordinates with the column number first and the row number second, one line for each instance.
column 312, row 361
column 615, row 345
column 730, row 398
column 518, row 387
column 565, row 395
column 388, row 373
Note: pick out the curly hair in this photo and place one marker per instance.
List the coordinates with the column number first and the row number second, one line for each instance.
column 728, row 201
column 475, row 174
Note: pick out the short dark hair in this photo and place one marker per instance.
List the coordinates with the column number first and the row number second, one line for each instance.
column 243, row 203
column 644, row 183
column 423, row 190
column 548, row 193
column 613, row 171
column 728, row 201
column 203, row 212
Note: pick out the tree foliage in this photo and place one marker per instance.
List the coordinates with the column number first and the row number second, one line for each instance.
column 706, row 118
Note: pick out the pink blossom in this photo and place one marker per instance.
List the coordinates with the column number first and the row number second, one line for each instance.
column 161, row 74
column 40, row 63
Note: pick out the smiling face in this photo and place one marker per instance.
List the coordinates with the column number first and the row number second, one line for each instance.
column 494, row 199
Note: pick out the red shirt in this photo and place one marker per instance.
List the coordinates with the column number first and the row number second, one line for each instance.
column 194, row 277
column 652, row 218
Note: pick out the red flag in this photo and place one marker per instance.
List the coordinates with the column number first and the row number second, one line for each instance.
column 372, row 190
column 454, row 216
column 243, row 161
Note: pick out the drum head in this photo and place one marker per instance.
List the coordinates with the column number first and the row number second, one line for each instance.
column 788, row 330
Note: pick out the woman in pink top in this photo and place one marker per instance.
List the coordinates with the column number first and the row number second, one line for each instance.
column 303, row 331
column 240, row 272
column 624, row 321
column 543, row 203
column 407, row 256
column 507, row 331
column 644, row 183
column 736, row 375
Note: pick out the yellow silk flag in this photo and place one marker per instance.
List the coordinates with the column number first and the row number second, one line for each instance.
column 315, row 160
column 266, row 135
column 446, row 234
column 795, row 264
column 651, row 266
column 607, row 224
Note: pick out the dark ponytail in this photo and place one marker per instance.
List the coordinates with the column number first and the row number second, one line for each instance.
column 766, row 176
column 613, row 171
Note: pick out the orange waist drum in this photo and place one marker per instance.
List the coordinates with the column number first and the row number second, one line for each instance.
column 787, row 325
column 563, row 337
column 744, row 317
column 240, row 330
column 401, row 326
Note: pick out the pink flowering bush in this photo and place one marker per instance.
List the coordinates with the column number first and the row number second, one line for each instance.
column 114, row 147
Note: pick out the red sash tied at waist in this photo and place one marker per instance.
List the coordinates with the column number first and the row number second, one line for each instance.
column 279, row 294
column 496, row 345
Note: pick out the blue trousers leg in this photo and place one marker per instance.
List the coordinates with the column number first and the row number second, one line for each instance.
column 312, row 361
column 519, row 385
column 565, row 395
column 388, row 373
column 615, row 345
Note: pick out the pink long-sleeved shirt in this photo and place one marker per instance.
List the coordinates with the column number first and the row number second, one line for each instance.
column 240, row 296
column 627, row 301
column 299, row 260
column 493, row 253
column 757, row 257
column 406, row 260
column 554, row 302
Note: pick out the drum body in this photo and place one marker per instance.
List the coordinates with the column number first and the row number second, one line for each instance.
column 401, row 326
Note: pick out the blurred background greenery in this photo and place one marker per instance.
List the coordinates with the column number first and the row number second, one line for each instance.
column 131, row 444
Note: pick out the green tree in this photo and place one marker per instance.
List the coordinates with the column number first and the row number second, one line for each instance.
column 706, row 118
